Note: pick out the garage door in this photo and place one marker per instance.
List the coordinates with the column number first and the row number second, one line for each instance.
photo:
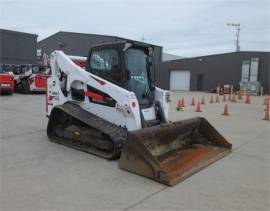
column 180, row 80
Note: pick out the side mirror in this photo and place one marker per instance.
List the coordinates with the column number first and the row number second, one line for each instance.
column 149, row 60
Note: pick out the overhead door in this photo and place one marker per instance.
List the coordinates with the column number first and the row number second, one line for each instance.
column 180, row 80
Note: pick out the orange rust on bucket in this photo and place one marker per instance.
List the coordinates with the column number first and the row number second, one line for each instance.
column 170, row 153
column 180, row 164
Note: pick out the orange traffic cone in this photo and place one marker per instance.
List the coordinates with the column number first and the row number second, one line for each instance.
column 265, row 100
column 267, row 113
column 239, row 95
column 193, row 102
column 202, row 100
column 247, row 101
column 267, row 105
column 217, row 99
column 211, row 100
column 224, row 98
column 198, row 107
column 233, row 98
column 226, row 110
column 183, row 102
column 179, row 105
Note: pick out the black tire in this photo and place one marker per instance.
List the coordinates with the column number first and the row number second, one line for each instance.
column 6, row 92
column 25, row 87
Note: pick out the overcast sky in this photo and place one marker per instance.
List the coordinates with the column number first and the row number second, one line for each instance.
column 182, row 27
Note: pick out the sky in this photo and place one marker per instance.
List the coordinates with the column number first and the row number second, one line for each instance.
column 183, row 27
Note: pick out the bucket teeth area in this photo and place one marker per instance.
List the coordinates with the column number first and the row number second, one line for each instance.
column 179, row 164
column 173, row 152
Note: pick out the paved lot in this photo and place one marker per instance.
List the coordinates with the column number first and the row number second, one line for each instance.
column 39, row 175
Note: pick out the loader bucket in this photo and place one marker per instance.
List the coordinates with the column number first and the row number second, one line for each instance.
column 172, row 152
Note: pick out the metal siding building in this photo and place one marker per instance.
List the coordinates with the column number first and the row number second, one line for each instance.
column 206, row 72
column 17, row 47
column 79, row 43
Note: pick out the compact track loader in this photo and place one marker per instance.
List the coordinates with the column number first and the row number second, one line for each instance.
column 31, row 78
column 106, row 104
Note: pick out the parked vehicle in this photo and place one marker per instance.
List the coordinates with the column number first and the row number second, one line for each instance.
column 31, row 78
column 112, row 109
column 6, row 79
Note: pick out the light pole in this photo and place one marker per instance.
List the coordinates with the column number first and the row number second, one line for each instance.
column 237, row 42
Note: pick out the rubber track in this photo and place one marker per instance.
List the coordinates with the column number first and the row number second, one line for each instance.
column 118, row 135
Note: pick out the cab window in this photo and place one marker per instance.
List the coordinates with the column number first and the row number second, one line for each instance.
column 2, row 69
column 105, row 63
column 35, row 69
column 9, row 68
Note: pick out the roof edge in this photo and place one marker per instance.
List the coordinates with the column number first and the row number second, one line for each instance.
column 198, row 57
column 87, row 34
column 18, row 32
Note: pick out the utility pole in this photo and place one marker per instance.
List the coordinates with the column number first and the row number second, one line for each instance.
column 237, row 42
column 143, row 39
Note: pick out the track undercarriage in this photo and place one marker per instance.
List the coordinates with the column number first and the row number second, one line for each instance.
column 70, row 125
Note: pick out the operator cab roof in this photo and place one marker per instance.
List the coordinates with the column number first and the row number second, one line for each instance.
column 134, row 43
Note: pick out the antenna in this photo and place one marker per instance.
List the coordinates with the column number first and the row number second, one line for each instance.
column 237, row 41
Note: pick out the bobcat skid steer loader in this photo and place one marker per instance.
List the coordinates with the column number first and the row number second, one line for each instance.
column 31, row 78
column 110, row 108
